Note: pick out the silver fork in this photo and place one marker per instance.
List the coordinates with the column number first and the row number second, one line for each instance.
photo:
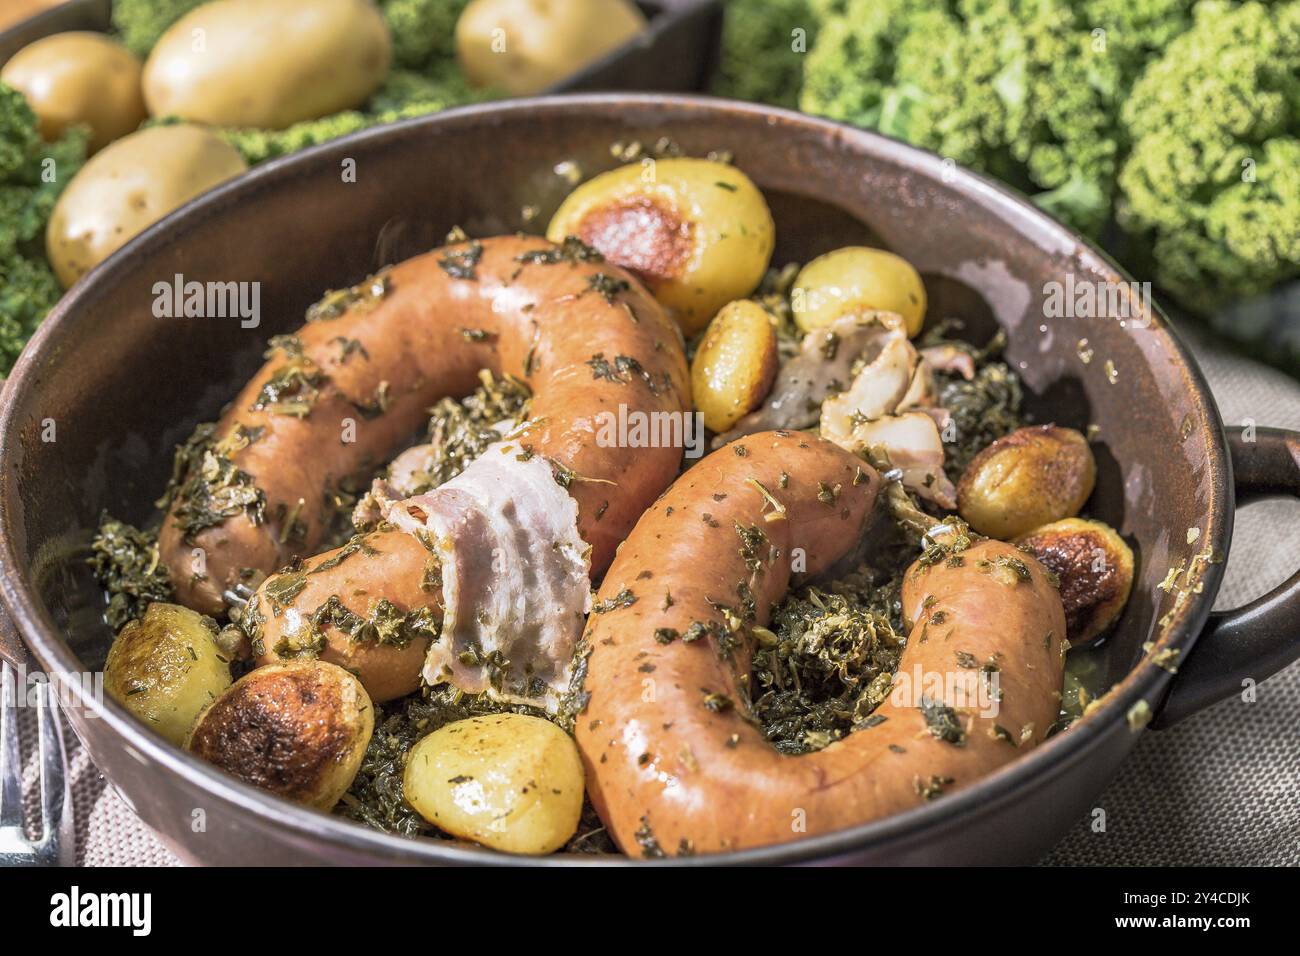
column 56, row 844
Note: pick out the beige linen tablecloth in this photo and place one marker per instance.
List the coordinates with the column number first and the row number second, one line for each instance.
column 1223, row 787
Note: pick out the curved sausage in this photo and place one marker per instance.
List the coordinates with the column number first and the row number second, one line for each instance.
column 336, row 399
column 674, row 764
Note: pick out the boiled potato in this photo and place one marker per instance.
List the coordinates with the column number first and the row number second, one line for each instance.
column 508, row 781
column 298, row 730
column 1028, row 478
column 697, row 232
column 79, row 77
column 734, row 367
column 268, row 63
column 131, row 185
column 857, row 278
column 524, row 46
column 166, row 667
column 1095, row 569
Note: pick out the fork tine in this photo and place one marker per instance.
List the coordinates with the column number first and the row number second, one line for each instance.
column 56, row 795
column 11, row 766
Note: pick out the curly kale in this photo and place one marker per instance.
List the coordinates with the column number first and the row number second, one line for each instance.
column 1211, row 184
column 140, row 23
column 1017, row 88
column 763, row 47
column 32, row 174
column 424, row 31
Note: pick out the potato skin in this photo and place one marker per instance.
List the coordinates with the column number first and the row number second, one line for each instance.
column 698, row 233
column 735, row 365
column 79, row 77
column 166, row 667
column 268, row 63
column 1095, row 568
column 1030, row 477
column 524, row 46
column 858, row 278
column 508, row 781
column 129, row 186
column 298, row 730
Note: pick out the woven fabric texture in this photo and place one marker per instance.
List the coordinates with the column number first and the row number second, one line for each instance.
column 1223, row 787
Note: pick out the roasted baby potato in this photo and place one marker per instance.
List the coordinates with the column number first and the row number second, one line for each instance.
column 524, row 46
column 1028, row 478
column 79, row 77
column 508, row 781
column 735, row 365
column 131, row 185
column 697, row 232
column 166, row 667
column 298, row 730
column 1095, row 568
column 268, row 63
column 857, row 278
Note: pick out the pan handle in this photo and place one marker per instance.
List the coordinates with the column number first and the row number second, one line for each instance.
column 1256, row 640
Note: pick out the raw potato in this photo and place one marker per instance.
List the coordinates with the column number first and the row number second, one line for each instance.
column 1033, row 476
column 524, row 46
column 697, row 232
column 735, row 365
column 268, row 63
column 858, row 278
column 166, row 667
column 131, row 185
column 79, row 77
column 508, row 781
column 1095, row 568
column 298, row 730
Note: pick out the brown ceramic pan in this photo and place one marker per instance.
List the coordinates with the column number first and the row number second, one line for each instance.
column 116, row 388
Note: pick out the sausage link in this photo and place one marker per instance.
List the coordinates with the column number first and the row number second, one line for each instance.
column 334, row 401
column 675, row 764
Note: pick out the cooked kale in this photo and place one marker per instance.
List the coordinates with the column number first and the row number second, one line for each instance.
column 126, row 564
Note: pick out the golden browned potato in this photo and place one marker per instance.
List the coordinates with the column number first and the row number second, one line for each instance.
column 508, row 781
column 268, row 63
column 524, row 46
column 79, row 77
column 1028, row 478
column 734, row 367
column 697, row 232
column 130, row 185
column 857, row 278
column 166, row 667
column 1095, row 568
column 298, row 730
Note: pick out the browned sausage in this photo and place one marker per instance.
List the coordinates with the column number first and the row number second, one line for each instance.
column 334, row 401
column 674, row 763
